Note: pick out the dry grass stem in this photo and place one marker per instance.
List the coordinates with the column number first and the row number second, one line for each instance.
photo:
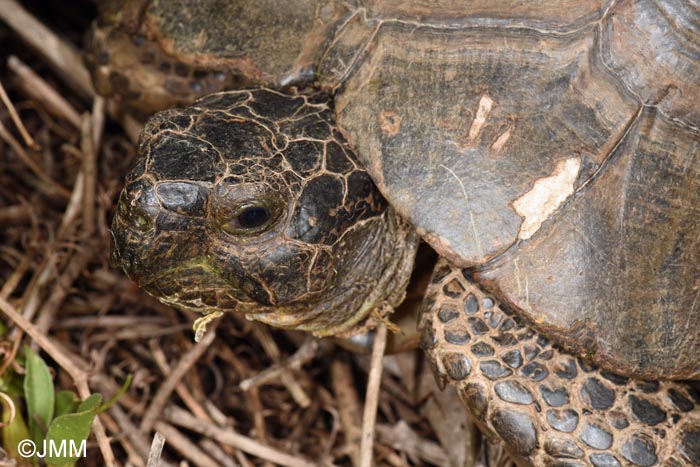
column 184, row 446
column 28, row 140
column 182, row 418
column 111, row 425
column 369, row 415
column 421, row 451
column 89, row 171
column 156, row 450
column 223, row 458
column 348, row 407
column 160, row 400
column 181, row 389
column 308, row 350
column 38, row 89
column 77, row 264
column 51, row 188
column 64, row 58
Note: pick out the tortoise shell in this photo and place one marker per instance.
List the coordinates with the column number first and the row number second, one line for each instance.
column 548, row 148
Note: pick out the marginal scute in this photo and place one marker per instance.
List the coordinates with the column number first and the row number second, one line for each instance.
column 545, row 197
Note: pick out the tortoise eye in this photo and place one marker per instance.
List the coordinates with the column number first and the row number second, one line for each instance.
column 253, row 217
column 250, row 219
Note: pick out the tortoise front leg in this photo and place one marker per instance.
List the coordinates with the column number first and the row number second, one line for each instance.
column 547, row 406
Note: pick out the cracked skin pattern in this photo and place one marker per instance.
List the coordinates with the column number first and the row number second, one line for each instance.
column 330, row 252
column 549, row 148
column 550, row 407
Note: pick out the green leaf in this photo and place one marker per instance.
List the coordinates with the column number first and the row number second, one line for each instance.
column 91, row 403
column 115, row 398
column 66, row 402
column 12, row 383
column 68, row 431
column 39, row 393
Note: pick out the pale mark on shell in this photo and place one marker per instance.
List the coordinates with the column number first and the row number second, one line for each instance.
column 518, row 275
column 501, row 140
column 390, row 122
column 485, row 105
column 546, row 196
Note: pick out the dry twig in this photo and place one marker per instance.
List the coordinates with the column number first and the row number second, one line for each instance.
column 369, row 416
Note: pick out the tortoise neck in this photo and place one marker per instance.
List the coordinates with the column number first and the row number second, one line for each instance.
column 373, row 263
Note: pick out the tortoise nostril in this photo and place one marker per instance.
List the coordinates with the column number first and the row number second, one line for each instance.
column 135, row 214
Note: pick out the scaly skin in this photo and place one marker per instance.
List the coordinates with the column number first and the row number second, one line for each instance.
column 548, row 407
column 331, row 252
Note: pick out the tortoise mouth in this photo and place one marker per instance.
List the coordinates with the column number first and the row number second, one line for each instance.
column 196, row 286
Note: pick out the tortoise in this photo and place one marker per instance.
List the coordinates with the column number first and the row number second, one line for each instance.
column 548, row 152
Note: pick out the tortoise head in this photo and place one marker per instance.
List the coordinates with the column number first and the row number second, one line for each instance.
column 250, row 201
